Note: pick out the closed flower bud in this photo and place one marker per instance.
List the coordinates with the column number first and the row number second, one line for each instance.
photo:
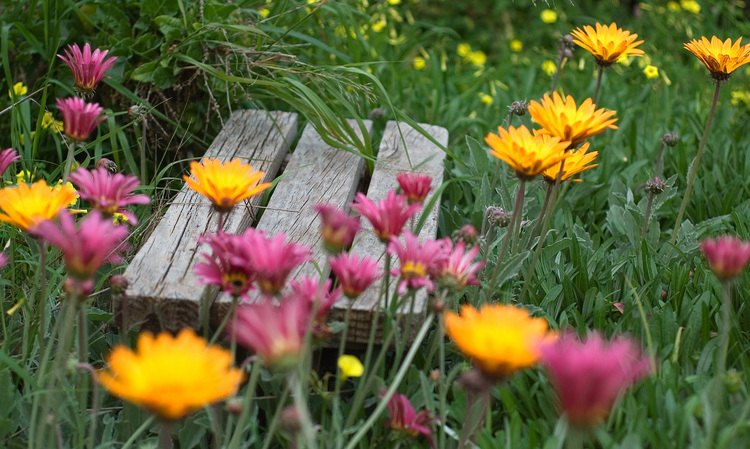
column 670, row 139
column 655, row 186
column 519, row 108
column 467, row 234
column 732, row 381
column 118, row 284
column 498, row 217
column 234, row 406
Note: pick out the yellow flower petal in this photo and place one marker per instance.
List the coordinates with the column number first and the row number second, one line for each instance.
column 225, row 184
column 607, row 43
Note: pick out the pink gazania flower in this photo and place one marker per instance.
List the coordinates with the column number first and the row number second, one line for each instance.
column 727, row 255
column 337, row 228
column 403, row 418
column 417, row 261
column 354, row 274
column 96, row 241
column 311, row 291
column 415, row 186
column 79, row 118
column 227, row 266
column 589, row 376
column 275, row 333
column 272, row 259
column 88, row 68
column 7, row 157
column 3, row 260
column 458, row 269
column 388, row 216
column 108, row 192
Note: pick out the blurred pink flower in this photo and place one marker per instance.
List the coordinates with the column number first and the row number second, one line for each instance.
column 388, row 216
column 227, row 266
column 415, row 186
column 310, row 290
column 108, row 192
column 403, row 418
column 275, row 333
column 588, row 376
column 272, row 259
column 7, row 157
column 3, row 260
column 79, row 118
column 88, row 68
column 727, row 255
column 417, row 261
column 85, row 249
column 337, row 228
column 458, row 269
column 354, row 274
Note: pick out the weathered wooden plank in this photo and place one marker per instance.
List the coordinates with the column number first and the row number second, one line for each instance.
column 424, row 157
column 316, row 173
column 162, row 282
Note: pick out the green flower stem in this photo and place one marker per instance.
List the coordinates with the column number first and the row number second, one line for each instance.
column 694, row 168
column 165, row 435
column 412, row 296
column 383, row 404
column 94, row 403
column 726, row 326
column 246, row 403
column 516, row 215
column 560, row 59
column 496, row 175
column 517, row 223
column 442, row 390
column 648, row 213
column 475, row 412
column 42, row 304
column 598, row 83
column 542, row 214
column 276, row 417
column 83, row 356
column 146, row 424
column 300, row 402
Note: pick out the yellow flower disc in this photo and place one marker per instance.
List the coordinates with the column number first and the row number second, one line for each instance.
column 607, row 43
column 565, row 120
column 720, row 58
column 225, row 184
column 499, row 339
column 26, row 206
column 528, row 155
column 171, row 376
column 574, row 164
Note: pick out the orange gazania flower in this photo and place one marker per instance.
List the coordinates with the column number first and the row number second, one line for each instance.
column 528, row 155
column 564, row 120
column 26, row 206
column 575, row 164
column 720, row 58
column 607, row 43
column 225, row 184
column 499, row 339
column 171, row 376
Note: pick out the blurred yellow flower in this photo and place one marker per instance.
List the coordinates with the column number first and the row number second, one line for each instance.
column 673, row 6
column 26, row 206
column 24, row 177
column 419, row 63
column 738, row 95
column 651, row 72
column 48, row 120
column 18, row 89
column 394, row 2
column 516, row 45
column 379, row 24
column 574, row 164
column 486, row 99
column 463, row 50
column 264, row 12
column 478, row 58
column 691, row 6
column 350, row 366
column 549, row 67
column 549, row 16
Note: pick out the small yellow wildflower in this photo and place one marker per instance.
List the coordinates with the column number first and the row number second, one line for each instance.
column 18, row 89
column 549, row 16
column 394, row 2
column 549, row 67
column 48, row 120
column 379, row 24
column 738, row 95
column 690, row 6
column 309, row 2
column 350, row 366
column 651, row 72
column 118, row 219
column 624, row 60
column 463, row 50
column 478, row 58
column 264, row 12
column 673, row 6
column 419, row 63
column 516, row 45
column 24, row 177
column 341, row 31
column 486, row 99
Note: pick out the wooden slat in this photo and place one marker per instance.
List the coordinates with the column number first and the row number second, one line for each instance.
column 162, row 283
column 316, row 173
column 425, row 157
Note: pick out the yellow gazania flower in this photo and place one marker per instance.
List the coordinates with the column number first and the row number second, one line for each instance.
column 574, row 164
column 171, row 376
column 225, row 184
column 607, row 43
column 528, row 155
column 564, row 120
column 499, row 339
column 720, row 58
column 26, row 206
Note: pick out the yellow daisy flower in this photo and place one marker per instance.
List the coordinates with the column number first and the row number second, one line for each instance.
column 564, row 120
column 516, row 45
column 607, row 43
column 720, row 58
column 171, row 376
column 499, row 339
column 26, row 206
column 528, row 155
column 574, row 164
column 225, row 184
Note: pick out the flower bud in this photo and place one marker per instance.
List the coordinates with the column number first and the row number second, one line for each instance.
column 519, row 108
column 732, row 381
column 670, row 139
column 290, row 420
column 655, row 186
column 137, row 111
column 234, row 406
column 435, row 375
column 498, row 217
column 467, row 234
column 568, row 41
column 109, row 165
column 118, row 284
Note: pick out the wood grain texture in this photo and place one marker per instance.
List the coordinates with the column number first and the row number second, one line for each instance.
column 316, row 173
column 162, row 283
column 413, row 152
